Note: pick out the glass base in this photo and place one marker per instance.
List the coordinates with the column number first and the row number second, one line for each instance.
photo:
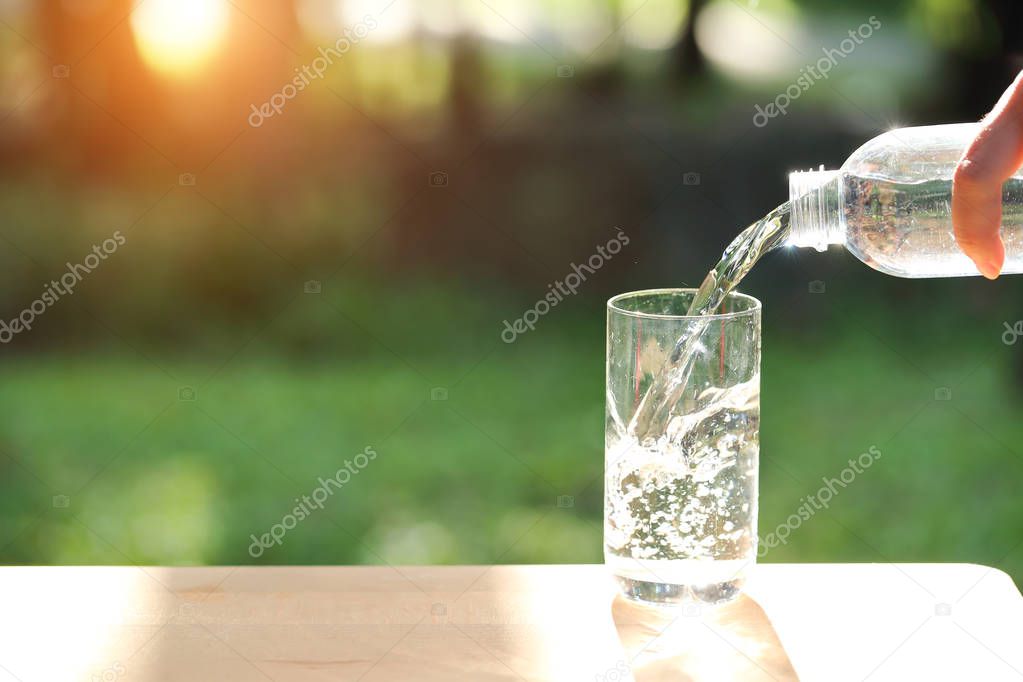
column 679, row 581
column 671, row 594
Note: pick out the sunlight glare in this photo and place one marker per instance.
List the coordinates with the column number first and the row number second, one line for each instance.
column 752, row 46
column 653, row 24
column 177, row 37
column 78, row 612
column 395, row 20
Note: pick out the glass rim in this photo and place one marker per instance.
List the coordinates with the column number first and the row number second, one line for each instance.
column 612, row 305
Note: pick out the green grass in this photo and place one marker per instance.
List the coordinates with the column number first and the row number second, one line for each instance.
column 475, row 478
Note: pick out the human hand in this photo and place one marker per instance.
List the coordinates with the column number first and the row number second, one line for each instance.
column 991, row 159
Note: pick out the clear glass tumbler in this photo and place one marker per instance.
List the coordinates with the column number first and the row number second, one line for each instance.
column 680, row 507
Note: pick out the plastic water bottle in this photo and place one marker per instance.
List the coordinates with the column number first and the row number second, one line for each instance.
column 890, row 205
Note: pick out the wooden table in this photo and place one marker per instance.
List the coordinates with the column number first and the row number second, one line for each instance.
column 289, row 624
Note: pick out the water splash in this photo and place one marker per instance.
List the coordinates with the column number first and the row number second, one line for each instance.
column 651, row 417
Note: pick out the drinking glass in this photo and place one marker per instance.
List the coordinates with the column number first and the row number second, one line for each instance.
column 680, row 503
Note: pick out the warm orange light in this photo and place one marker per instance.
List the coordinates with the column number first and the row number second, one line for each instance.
column 177, row 37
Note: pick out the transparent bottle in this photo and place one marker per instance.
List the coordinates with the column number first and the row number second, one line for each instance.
column 890, row 205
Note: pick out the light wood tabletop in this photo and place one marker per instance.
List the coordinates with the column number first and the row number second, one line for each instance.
column 297, row 624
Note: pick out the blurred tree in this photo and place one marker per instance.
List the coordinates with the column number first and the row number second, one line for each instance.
column 467, row 87
column 980, row 42
column 1004, row 60
column 110, row 108
column 606, row 75
column 687, row 59
column 89, row 122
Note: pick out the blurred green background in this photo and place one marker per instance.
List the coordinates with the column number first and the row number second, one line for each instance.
column 339, row 276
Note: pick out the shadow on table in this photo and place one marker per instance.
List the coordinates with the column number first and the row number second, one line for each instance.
column 734, row 641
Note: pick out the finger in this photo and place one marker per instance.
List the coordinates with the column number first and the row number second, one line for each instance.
column 991, row 159
column 977, row 215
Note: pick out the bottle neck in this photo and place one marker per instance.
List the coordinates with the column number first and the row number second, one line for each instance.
column 817, row 218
